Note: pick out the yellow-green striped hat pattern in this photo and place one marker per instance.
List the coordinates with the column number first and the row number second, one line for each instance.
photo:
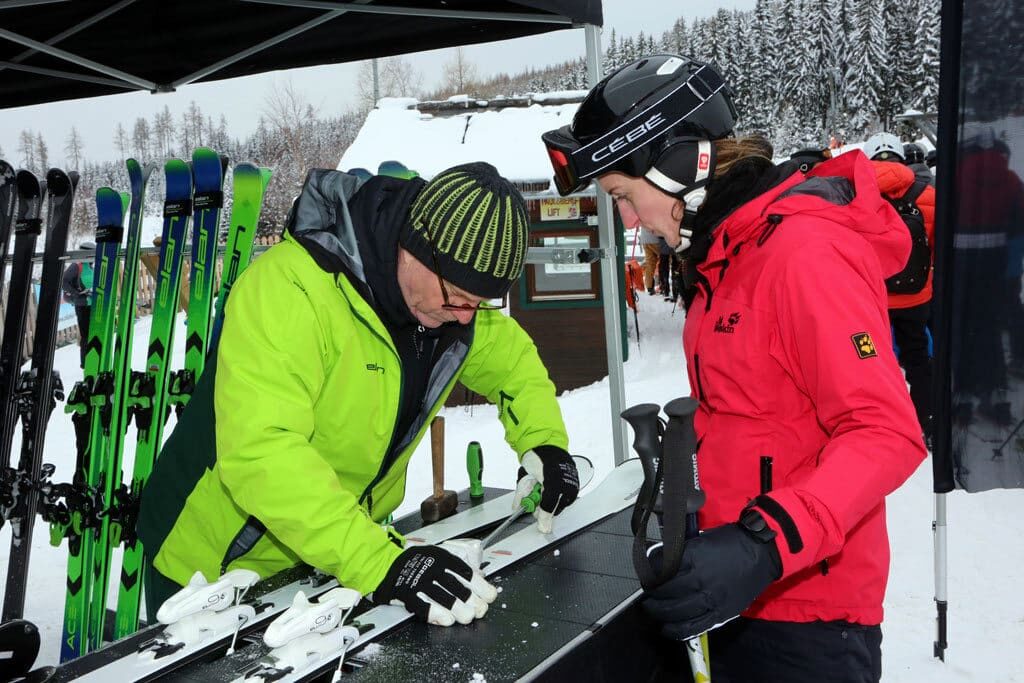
column 477, row 224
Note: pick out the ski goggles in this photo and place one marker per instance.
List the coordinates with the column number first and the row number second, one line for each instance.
column 627, row 148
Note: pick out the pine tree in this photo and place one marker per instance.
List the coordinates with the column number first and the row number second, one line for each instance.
column 926, row 52
column 763, row 66
column 611, row 54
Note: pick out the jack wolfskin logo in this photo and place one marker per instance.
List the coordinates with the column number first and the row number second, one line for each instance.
column 865, row 347
column 727, row 326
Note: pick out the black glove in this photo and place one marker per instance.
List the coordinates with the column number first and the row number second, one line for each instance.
column 436, row 586
column 555, row 471
column 722, row 573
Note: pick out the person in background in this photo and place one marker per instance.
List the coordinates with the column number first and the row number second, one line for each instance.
column 77, row 286
column 789, row 354
column 910, row 311
column 652, row 254
column 339, row 346
column 987, row 251
column 666, row 255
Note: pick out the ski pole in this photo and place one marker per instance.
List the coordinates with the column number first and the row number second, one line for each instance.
column 680, row 437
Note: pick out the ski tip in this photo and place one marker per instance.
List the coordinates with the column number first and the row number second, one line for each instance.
column 58, row 182
column 28, row 184
column 207, row 170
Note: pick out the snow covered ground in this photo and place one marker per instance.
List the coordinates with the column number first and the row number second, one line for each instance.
column 986, row 622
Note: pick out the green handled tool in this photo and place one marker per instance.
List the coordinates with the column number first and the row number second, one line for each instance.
column 475, row 467
column 585, row 470
column 526, row 506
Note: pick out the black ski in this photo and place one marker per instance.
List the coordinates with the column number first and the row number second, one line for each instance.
column 26, row 229
column 38, row 391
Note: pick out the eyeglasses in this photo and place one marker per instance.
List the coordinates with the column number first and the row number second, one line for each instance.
column 482, row 306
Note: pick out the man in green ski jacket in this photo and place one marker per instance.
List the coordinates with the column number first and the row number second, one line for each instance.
column 339, row 346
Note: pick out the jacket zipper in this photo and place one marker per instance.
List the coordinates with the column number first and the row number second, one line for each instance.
column 696, row 371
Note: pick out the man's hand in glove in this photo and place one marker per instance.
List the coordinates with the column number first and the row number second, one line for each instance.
column 722, row 573
column 436, row 586
column 555, row 471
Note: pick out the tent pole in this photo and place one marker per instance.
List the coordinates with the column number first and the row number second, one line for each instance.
column 486, row 15
column 100, row 16
column 941, row 562
column 609, row 277
column 76, row 59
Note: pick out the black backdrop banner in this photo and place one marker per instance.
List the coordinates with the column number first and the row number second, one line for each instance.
column 980, row 242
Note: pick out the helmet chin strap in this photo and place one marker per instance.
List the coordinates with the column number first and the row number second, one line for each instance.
column 692, row 202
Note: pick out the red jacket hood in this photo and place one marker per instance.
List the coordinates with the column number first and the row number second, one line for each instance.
column 822, row 193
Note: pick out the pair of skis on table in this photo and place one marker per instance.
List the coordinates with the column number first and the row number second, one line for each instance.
column 162, row 654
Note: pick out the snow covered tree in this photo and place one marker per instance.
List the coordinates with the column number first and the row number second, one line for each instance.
column 163, row 133
column 140, row 138
column 121, row 140
column 926, row 52
column 74, row 148
column 42, row 154
column 27, row 149
column 676, row 40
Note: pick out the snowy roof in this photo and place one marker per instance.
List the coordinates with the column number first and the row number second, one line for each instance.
column 507, row 137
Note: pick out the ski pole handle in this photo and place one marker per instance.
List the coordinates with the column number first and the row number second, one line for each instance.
column 475, row 467
column 646, row 424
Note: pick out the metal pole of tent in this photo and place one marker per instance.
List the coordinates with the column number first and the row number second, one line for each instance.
column 939, row 532
column 609, row 277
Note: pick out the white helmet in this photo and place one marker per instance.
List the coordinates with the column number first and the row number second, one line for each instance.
column 884, row 147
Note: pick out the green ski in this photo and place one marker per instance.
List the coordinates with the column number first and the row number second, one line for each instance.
column 89, row 403
column 250, row 183
column 208, row 197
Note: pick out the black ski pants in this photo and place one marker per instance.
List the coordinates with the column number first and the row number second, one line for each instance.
column 157, row 589
column 909, row 333
column 83, row 314
column 758, row 651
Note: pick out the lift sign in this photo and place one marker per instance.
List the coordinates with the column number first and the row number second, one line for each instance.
column 560, row 209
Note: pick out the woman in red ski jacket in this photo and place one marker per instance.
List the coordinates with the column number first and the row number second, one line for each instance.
column 789, row 353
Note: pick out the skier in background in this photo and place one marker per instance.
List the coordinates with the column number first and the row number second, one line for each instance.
column 77, row 286
column 790, row 326
column 909, row 312
column 652, row 255
column 339, row 346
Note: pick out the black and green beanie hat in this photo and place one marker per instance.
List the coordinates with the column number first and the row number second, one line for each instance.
column 476, row 224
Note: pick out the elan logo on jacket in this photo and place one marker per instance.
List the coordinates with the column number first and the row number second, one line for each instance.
column 727, row 326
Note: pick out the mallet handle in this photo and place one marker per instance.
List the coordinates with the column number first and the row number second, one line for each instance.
column 437, row 454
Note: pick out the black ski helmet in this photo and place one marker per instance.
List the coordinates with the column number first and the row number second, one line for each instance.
column 651, row 118
column 913, row 153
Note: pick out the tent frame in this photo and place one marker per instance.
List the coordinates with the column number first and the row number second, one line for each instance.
column 111, row 76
